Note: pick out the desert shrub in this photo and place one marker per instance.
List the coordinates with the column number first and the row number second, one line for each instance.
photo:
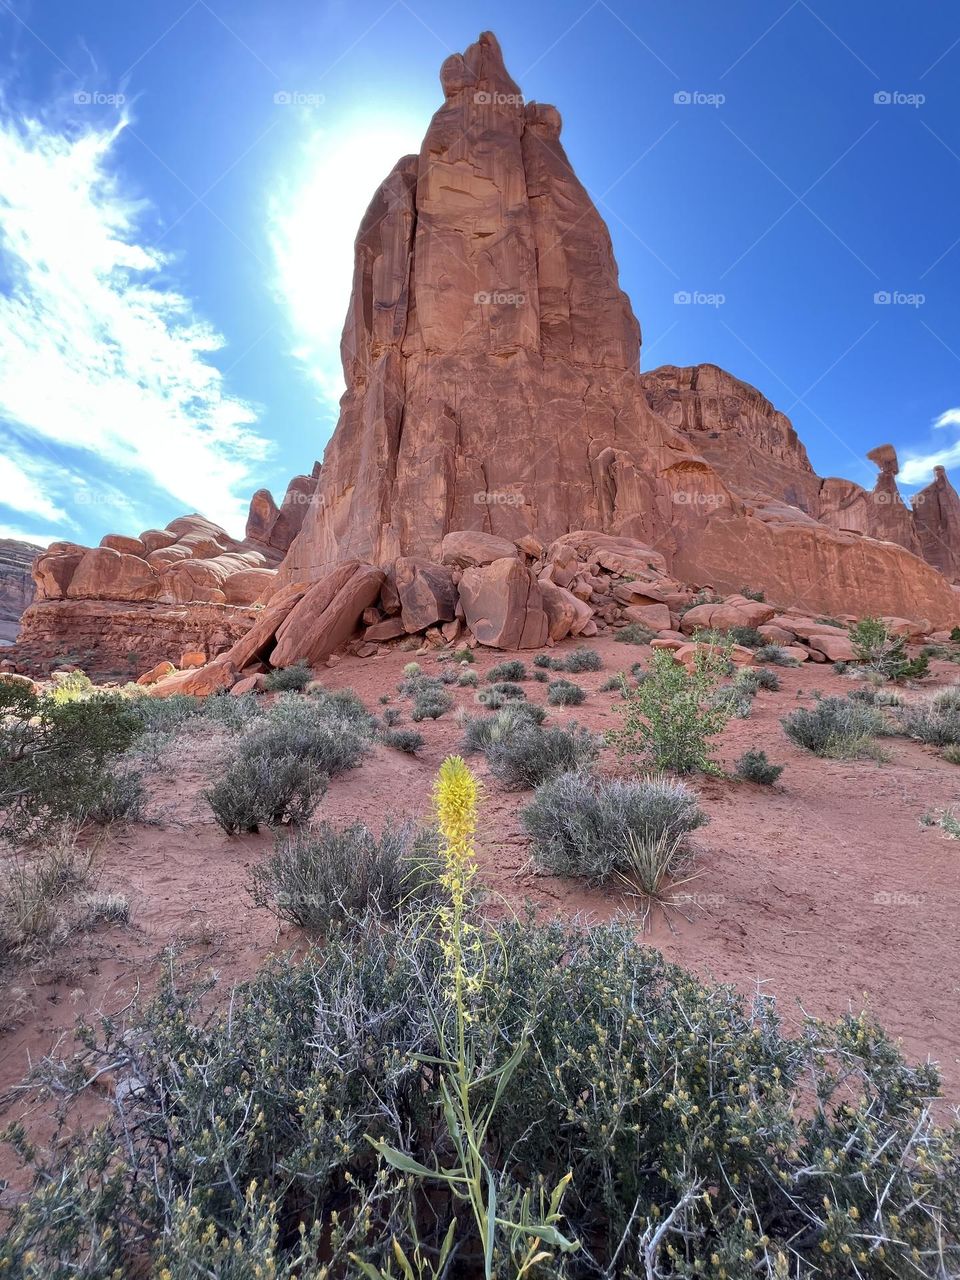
column 885, row 654
column 776, row 654
column 69, row 686
column 468, row 680
column 633, row 633
column 391, row 716
column 511, row 670
column 525, row 759
column 411, row 669
column 752, row 595
column 670, row 715
column 836, row 728
column 580, row 825
column 318, row 876
column 332, row 730
column 259, row 788
column 463, row 654
column 577, row 661
column 951, row 754
column 766, row 679
column 541, row 676
column 934, row 722
column 448, row 675
column 408, row 740
column 955, row 635
column 543, row 660
column 615, row 683
column 749, row 637
column 228, row 712
column 58, row 759
column 564, row 693
column 479, row 732
column 430, row 700
column 670, row 1101
column 753, row 766
column 105, row 908
column 167, row 715
column 292, row 679
column 498, row 695
column 37, row 895
column 116, row 795
column 737, row 703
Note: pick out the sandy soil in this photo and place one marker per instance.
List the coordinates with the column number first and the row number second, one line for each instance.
column 825, row 889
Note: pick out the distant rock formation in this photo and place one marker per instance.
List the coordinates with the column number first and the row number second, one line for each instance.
column 16, row 585
column 491, row 362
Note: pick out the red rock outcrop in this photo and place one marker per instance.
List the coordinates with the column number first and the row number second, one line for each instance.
column 491, row 362
column 16, row 585
column 936, row 514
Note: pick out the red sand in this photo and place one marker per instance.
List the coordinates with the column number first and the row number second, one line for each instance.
column 823, row 890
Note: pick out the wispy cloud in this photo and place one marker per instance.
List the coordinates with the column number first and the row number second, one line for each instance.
column 314, row 217
column 98, row 352
column 917, row 467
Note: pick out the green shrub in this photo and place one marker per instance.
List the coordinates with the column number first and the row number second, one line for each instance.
column 411, row 670
column 955, row 635
column 166, row 715
column 671, row 714
column 885, row 654
column 318, row 876
column 580, row 825
column 577, row 661
column 564, row 693
column 633, row 633
column 543, row 660
column 479, row 732
column 951, row 754
column 430, row 700
column 463, row 654
column 749, row 637
column 836, row 728
column 541, row 676
column 58, row 760
column 260, row 789
column 408, row 740
column 332, row 732
column 766, row 679
column 753, row 766
column 527, row 758
column 498, row 695
column 468, row 680
column 230, row 713
column 69, row 686
column 292, row 679
column 752, row 595
column 511, row 670
column 694, row 1127
column 776, row 654
column 615, row 683
column 391, row 716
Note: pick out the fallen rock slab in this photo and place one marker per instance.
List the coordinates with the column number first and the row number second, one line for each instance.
column 201, row 682
column 327, row 615
column 503, row 605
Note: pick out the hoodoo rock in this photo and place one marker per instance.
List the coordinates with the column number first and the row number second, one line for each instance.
column 493, row 388
column 16, row 585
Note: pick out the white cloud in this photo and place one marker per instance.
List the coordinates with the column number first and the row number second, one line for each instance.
column 314, row 218
column 97, row 352
column 27, row 535
column 917, row 468
column 24, row 493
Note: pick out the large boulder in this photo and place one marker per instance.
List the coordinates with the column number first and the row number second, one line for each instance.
column 215, row 677
column 735, row 611
column 503, row 605
column 469, row 548
column 327, row 615
column 428, row 593
column 105, row 574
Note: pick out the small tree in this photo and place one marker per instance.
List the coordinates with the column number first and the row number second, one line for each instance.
column 885, row 653
column 672, row 713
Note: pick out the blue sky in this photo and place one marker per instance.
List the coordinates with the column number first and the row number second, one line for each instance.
column 180, row 183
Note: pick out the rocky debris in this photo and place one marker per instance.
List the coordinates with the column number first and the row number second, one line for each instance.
column 503, row 605
column 215, row 677
column 735, row 611
column 428, row 593
column 327, row 615
column 834, row 648
column 468, row 549
column 156, row 673
column 16, row 585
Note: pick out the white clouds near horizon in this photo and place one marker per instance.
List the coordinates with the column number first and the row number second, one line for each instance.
column 917, row 468
column 98, row 352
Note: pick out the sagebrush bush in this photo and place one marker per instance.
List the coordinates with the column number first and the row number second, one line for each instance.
column 430, row 699
column 935, row 721
column 564, row 693
column 633, row 633
column 579, row 825
column 166, row 715
column 59, row 760
column 749, row 637
column 951, row 754
column 701, row 1139
column 265, row 789
column 290, row 679
column 543, row 660
column 511, row 670
column 577, row 661
column 230, row 713
column 765, row 679
column 776, row 654
column 480, row 731
column 498, row 695
column 753, row 766
column 468, row 679
column 672, row 712
column 835, row 728
column 318, row 876
column 408, row 740
column 525, row 759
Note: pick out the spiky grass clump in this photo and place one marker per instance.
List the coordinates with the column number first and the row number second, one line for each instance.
column 479, row 732
column 527, row 758
column 579, row 825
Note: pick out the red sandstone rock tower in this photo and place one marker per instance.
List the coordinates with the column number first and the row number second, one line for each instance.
column 491, row 361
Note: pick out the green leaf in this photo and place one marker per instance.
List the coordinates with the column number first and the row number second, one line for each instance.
column 491, row 1229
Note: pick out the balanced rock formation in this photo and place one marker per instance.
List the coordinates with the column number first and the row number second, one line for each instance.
column 16, row 585
column 491, row 362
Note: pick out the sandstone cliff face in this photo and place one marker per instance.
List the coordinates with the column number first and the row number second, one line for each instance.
column 491, row 362
column 16, row 585
column 936, row 514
